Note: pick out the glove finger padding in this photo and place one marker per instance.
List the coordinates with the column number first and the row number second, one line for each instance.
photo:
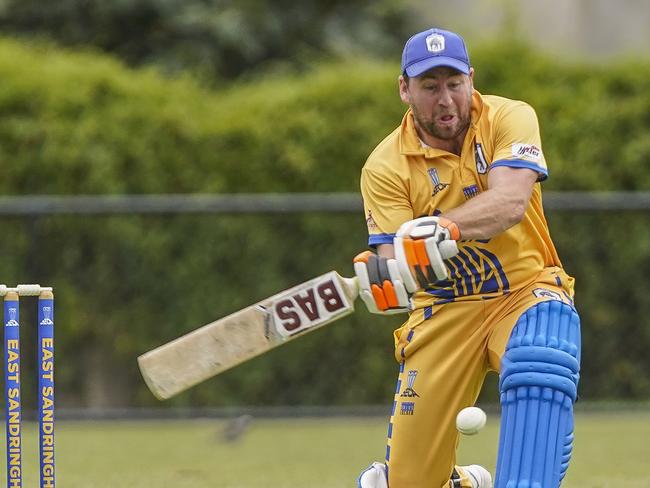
column 448, row 249
column 380, row 284
column 421, row 247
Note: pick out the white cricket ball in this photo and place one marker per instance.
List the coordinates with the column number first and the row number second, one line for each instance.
column 470, row 420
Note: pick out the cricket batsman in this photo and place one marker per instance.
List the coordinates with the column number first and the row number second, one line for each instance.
column 453, row 205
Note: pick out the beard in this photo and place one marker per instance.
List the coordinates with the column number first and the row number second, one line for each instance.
column 444, row 133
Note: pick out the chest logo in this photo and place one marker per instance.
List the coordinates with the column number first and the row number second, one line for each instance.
column 470, row 192
column 438, row 186
column 481, row 162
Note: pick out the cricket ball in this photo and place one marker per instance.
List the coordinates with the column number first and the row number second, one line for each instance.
column 470, row 420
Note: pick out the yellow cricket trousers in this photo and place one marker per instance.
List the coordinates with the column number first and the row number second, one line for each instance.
column 444, row 352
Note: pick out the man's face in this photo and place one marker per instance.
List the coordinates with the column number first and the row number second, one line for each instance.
column 441, row 100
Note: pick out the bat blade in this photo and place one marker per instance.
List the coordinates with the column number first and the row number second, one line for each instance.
column 220, row 345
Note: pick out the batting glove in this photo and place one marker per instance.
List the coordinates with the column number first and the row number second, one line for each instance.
column 421, row 247
column 380, row 285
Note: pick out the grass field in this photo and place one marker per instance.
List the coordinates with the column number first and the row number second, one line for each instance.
column 611, row 451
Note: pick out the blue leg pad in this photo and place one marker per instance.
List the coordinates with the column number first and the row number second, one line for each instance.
column 538, row 384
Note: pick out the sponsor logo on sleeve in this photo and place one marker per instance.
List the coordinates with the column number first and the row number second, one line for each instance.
column 527, row 151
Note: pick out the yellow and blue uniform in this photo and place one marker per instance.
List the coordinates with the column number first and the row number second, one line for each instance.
column 459, row 328
column 403, row 180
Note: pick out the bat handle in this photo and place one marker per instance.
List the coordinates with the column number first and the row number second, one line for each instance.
column 351, row 287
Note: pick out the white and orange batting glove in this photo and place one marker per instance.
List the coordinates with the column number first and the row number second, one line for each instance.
column 380, row 285
column 421, row 247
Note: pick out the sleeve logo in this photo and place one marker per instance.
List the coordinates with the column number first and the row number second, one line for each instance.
column 527, row 151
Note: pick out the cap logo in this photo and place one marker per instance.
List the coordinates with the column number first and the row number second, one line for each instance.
column 435, row 43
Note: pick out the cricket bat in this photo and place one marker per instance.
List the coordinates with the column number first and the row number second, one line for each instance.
column 220, row 345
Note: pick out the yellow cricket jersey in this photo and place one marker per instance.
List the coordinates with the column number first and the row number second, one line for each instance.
column 403, row 180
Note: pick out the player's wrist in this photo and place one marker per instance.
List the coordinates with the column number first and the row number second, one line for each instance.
column 451, row 226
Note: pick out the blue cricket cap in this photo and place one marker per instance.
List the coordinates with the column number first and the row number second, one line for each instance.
column 433, row 48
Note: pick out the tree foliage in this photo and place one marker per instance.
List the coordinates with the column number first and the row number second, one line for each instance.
column 83, row 123
column 218, row 38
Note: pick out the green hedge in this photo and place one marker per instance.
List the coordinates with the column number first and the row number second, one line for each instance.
column 78, row 122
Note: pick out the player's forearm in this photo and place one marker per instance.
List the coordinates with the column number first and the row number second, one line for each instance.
column 489, row 213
